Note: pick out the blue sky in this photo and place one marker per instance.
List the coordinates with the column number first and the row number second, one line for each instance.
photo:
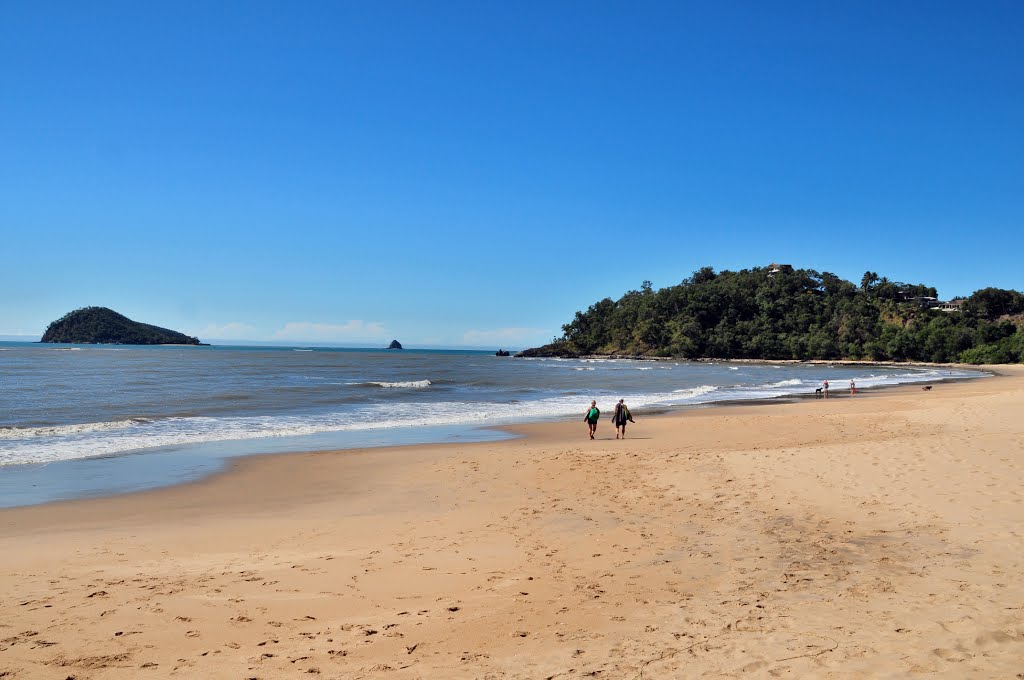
column 454, row 174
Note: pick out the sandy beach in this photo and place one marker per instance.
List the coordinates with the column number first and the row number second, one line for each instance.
column 878, row 536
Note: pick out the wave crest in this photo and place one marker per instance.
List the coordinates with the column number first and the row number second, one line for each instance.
column 786, row 383
column 691, row 392
column 72, row 429
column 408, row 384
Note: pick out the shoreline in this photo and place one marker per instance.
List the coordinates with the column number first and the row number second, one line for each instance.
column 860, row 537
column 517, row 431
column 871, row 537
column 222, row 459
column 769, row 362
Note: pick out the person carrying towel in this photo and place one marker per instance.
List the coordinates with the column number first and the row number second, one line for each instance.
column 621, row 417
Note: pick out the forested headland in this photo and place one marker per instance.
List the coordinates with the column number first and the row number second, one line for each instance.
column 100, row 325
column 778, row 312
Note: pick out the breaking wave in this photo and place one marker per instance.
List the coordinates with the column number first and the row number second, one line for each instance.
column 408, row 384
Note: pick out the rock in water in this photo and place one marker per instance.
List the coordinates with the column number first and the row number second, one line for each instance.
column 395, row 344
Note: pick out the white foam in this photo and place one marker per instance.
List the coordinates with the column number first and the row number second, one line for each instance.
column 787, row 383
column 65, row 430
column 409, row 384
column 692, row 392
column 65, row 442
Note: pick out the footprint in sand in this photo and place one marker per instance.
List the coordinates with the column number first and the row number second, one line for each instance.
column 954, row 655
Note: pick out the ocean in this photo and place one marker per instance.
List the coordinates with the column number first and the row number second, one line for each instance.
column 94, row 420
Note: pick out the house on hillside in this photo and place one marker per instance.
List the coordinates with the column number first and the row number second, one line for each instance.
column 952, row 305
column 774, row 268
column 922, row 301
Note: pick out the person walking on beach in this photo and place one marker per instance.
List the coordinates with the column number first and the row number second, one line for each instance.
column 593, row 413
column 621, row 417
column 824, row 386
column 853, row 387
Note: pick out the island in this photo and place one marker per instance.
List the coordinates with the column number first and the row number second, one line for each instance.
column 100, row 325
column 395, row 344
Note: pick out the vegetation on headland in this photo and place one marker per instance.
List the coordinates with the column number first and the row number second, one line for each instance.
column 782, row 313
column 99, row 325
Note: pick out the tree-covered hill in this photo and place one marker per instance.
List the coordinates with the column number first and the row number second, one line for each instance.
column 785, row 313
column 99, row 325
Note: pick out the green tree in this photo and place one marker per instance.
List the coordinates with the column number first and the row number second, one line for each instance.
column 793, row 314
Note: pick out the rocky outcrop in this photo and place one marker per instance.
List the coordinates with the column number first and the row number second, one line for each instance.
column 554, row 349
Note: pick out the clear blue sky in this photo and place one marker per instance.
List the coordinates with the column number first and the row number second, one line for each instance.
column 472, row 173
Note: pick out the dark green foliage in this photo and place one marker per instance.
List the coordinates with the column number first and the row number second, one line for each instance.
column 795, row 314
column 1008, row 350
column 992, row 303
column 99, row 325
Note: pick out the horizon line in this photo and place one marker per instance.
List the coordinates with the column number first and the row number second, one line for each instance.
column 222, row 342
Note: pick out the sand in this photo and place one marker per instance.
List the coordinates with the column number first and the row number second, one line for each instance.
column 878, row 536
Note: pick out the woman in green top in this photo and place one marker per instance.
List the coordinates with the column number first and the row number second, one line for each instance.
column 593, row 413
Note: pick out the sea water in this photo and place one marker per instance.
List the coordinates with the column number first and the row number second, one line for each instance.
column 80, row 420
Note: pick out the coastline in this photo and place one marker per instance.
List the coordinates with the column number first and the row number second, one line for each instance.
column 795, row 362
column 865, row 537
column 222, row 468
column 142, row 470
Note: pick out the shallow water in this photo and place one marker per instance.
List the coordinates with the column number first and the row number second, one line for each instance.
column 123, row 418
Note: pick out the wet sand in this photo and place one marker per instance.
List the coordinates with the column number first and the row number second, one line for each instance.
column 865, row 537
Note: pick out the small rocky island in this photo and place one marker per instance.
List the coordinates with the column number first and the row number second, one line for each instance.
column 99, row 325
column 395, row 344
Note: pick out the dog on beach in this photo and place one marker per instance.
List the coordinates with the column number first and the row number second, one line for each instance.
column 926, row 388
column 817, row 392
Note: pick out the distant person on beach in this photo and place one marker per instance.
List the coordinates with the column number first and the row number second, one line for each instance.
column 824, row 386
column 621, row 417
column 593, row 413
column 853, row 387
